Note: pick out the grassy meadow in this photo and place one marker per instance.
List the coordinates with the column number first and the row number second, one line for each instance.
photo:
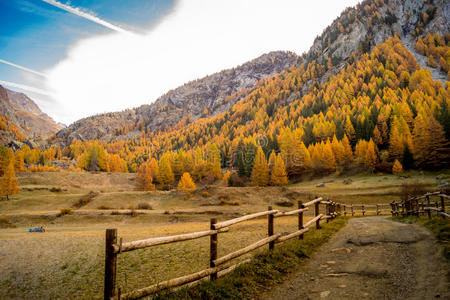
column 67, row 260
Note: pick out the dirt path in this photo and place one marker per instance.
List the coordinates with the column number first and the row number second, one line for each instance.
column 372, row 258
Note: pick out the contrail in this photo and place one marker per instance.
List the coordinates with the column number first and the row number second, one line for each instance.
column 26, row 88
column 80, row 13
column 22, row 68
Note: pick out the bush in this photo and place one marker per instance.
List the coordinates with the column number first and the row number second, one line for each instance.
column 103, row 207
column 56, row 190
column 235, row 180
column 5, row 222
column 85, row 199
column 205, row 194
column 412, row 189
column 144, row 205
column 65, row 211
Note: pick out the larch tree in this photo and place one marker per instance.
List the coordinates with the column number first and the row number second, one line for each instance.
column 186, row 184
column 9, row 184
column 144, row 178
column 260, row 171
column 397, row 168
column 272, row 160
column 154, row 169
column 370, row 157
column 166, row 177
column 348, row 152
column 214, row 161
column 278, row 175
column 350, row 130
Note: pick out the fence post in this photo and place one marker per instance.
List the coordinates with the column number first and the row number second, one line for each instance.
column 270, row 228
column 110, row 264
column 362, row 209
column 300, row 218
column 378, row 212
column 351, row 208
column 345, row 211
column 212, row 248
column 328, row 211
column 316, row 213
column 442, row 206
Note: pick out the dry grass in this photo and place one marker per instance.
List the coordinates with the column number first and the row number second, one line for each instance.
column 68, row 258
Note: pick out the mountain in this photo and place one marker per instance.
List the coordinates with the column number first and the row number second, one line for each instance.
column 356, row 31
column 201, row 98
column 23, row 119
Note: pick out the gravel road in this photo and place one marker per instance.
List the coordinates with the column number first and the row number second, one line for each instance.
column 372, row 258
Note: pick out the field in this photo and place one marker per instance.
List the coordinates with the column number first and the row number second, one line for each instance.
column 67, row 260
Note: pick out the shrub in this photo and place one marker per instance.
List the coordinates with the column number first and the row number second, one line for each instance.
column 205, row 194
column 85, row 199
column 5, row 222
column 412, row 189
column 144, row 205
column 56, row 190
column 235, row 180
column 65, row 211
column 103, row 207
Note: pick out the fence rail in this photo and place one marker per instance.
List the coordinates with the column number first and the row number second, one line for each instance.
column 217, row 266
column 422, row 205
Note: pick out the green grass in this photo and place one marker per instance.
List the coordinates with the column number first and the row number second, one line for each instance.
column 265, row 270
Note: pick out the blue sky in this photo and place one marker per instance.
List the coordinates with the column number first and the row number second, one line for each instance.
column 109, row 55
column 37, row 35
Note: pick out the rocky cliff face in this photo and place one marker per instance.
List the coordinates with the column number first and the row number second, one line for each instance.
column 360, row 28
column 200, row 98
column 24, row 117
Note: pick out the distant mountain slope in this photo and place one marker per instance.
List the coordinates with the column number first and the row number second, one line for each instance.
column 204, row 97
column 23, row 118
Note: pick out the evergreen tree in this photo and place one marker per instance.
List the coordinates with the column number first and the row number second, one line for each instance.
column 260, row 171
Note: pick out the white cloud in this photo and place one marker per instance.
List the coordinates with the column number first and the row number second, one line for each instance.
column 200, row 37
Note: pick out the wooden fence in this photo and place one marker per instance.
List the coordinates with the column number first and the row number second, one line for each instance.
column 217, row 265
column 422, row 205
column 366, row 209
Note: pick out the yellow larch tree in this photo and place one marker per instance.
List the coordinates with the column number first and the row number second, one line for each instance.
column 9, row 184
column 144, row 178
column 278, row 175
column 397, row 168
column 213, row 163
column 186, row 184
column 166, row 177
column 260, row 171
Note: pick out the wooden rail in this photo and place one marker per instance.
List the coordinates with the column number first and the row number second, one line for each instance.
column 421, row 205
column 217, row 266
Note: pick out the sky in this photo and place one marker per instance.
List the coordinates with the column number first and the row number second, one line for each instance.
column 80, row 58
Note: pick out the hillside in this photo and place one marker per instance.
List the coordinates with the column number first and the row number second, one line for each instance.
column 23, row 118
column 204, row 97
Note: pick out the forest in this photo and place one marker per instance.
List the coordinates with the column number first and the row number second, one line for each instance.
column 380, row 113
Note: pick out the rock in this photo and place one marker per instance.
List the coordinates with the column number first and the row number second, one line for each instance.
column 443, row 183
column 320, row 184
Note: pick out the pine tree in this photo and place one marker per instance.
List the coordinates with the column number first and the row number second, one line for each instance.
column 278, row 175
column 186, row 184
column 397, row 167
column 166, row 177
column 9, row 184
column 260, row 171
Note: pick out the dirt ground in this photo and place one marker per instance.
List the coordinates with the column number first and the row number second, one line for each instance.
column 372, row 258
